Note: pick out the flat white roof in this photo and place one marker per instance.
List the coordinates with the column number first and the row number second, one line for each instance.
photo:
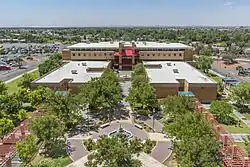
column 95, row 45
column 138, row 44
column 82, row 76
column 162, row 45
column 166, row 73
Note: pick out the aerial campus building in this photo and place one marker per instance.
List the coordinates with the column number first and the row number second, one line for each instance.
column 166, row 66
column 124, row 55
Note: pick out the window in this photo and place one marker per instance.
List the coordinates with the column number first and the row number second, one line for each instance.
column 153, row 54
column 180, row 54
column 74, row 54
column 79, row 54
column 84, row 54
column 148, row 55
column 110, row 54
column 104, row 54
column 169, row 54
column 174, row 54
column 142, row 54
column 94, row 54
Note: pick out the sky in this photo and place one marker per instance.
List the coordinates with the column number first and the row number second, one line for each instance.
column 92, row 13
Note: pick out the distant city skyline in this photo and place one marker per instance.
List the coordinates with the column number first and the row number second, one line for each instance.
column 113, row 13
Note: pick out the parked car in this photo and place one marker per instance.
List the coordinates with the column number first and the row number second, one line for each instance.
column 5, row 67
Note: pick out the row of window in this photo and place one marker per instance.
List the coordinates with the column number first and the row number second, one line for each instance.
column 95, row 49
column 110, row 54
column 160, row 54
column 116, row 50
column 85, row 54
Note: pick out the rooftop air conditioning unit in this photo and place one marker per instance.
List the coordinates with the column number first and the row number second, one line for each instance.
column 145, row 43
column 175, row 71
column 84, row 64
column 111, row 42
column 74, row 71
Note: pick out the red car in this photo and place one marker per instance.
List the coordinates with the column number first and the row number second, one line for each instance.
column 4, row 67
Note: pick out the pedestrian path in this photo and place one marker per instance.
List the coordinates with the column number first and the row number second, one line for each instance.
column 242, row 118
column 158, row 137
column 238, row 137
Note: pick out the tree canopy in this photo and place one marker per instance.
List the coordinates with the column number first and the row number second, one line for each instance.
column 3, row 88
column 102, row 95
column 195, row 143
column 142, row 97
column 26, row 80
column 121, row 152
column 50, row 64
column 241, row 93
column 26, row 149
column 6, row 126
column 204, row 63
column 222, row 111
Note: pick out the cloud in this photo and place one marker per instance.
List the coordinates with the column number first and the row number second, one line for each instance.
column 229, row 4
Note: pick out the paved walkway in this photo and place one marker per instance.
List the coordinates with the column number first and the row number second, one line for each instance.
column 156, row 125
column 162, row 151
column 242, row 118
column 77, row 150
column 158, row 137
column 238, row 137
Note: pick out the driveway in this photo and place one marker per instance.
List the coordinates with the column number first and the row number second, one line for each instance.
column 162, row 151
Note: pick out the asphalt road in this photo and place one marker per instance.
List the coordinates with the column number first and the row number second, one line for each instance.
column 14, row 72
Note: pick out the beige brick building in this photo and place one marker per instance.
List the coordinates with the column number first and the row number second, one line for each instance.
column 171, row 77
column 124, row 55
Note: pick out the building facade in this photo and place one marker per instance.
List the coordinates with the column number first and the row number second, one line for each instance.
column 124, row 55
column 172, row 77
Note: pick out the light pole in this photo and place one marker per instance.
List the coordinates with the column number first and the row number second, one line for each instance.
column 154, row 119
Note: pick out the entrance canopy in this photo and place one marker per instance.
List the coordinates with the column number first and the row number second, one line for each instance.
column 188, row 94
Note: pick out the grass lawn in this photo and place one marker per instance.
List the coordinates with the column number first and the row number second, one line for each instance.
column 247, row 115
column 13, row 86
column 51, row 162
column 242, row 145
column 235, row 128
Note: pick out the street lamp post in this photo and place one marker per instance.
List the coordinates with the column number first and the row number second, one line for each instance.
column 154, row 119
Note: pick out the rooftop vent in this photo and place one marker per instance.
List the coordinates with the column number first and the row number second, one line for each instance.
column 111, row 42
column 73, row 71
column 84, row 64
column 169, row 64
column 145, row 43
column 176, row 71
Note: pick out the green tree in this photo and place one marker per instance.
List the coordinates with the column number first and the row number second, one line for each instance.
column 206, row 51
column 39, row 96
column 102, row 94
column 195, row 143
column 173, row 106
column 22, row 114
column 204, row 63
column 26, row 149
column 142, row 99
column 241, row 93
column 47, row 128
column 50, row 64
column 65, row 107
column 221, row 110
column 121, row 152
column 9, row 106
column 26, row 80
column 3, row 88
column 6, row 126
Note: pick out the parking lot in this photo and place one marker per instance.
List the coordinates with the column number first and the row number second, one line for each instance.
column 21, row 58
